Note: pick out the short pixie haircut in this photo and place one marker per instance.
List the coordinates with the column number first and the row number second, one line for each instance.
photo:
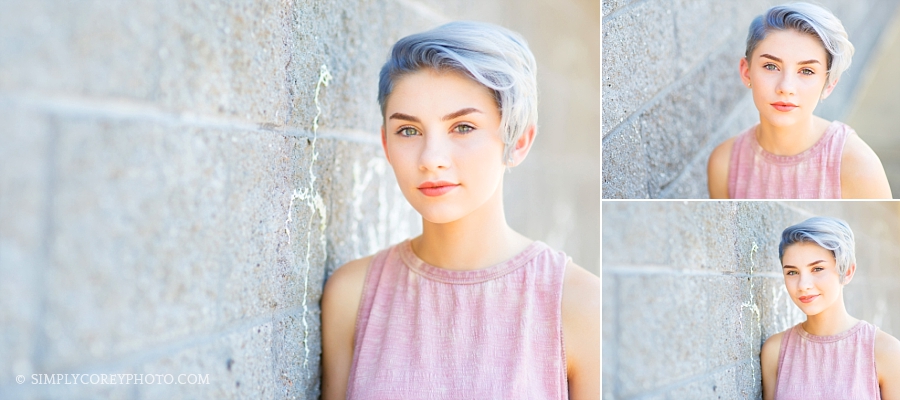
column 810, row 19
column 495, row 57
column 829, row 233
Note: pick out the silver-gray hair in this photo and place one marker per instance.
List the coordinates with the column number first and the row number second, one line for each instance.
column 829, row 233
column 810, row 19
column 493, row 56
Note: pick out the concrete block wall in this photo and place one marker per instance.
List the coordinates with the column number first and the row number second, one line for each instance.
column 672, row 91
column 178, row 179
column 691, row 290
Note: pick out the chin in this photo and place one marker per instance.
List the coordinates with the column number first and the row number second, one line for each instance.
column 439, row 216
column 782, row 120
column 810, row 310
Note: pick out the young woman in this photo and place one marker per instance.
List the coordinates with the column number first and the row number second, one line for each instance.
column 831, row 355
column 794, row 58
column 471, row 308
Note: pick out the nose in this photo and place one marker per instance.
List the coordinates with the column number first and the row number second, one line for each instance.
column 805, row 282
column 435, row 153
column 787, row 84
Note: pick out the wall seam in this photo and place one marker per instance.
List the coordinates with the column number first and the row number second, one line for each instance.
column 120, row 362
column 129, row 110
column 664, row 91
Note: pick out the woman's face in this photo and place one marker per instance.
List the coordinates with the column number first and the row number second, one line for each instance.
column 787, row 73
column 441, row 136
column 811, row 277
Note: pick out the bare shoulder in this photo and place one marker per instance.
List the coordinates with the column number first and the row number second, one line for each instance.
column 340, row 306
column 887, row 358
column 717, row 169
column 581, row 299
column 768, row 360
column 862, row 174
column 346, row 283
column 581, row 293
column 771, row 348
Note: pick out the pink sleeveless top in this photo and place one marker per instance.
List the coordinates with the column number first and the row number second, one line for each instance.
column 828, row 367
column 425, row 332
column 755, row 173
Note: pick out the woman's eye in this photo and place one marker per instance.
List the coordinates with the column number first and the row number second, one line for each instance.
column 807, row 71
column 464, row 128
column 407, row 131
column 770, row 67
column 791, row 273
column 816, row 269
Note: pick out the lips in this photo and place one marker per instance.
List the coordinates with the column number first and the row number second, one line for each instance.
column 785, row 107
column 432, row 189
column 807, row 299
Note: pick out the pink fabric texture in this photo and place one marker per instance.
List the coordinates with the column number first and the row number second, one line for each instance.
column 425, row 332
column 755, row 173
column 839, row 367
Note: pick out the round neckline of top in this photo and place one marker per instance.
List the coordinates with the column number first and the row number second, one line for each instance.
column 444, row 275
column 831, row 338
column 796, row 158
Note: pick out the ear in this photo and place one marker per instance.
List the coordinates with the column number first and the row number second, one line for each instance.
column 828, row 89
column 745, row 71
column 384, row 144
column 523, row 146
column 848, row 276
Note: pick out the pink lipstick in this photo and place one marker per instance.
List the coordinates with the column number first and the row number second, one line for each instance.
column 807, row 299
column 432, row 189
column 785, row 107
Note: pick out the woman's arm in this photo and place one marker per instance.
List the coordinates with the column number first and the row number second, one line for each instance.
column 340, row 304
column 887, row 365
column 768, row 360
column 717, row 170
column 862, row 175
column 581, row 331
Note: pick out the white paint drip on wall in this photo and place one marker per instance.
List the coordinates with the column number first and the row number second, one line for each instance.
column 378, row 234
column 316, row 205
column 753, row 307
column 361, row 181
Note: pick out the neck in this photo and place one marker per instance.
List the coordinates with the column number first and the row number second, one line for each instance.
column 832, row 321
column 476, row 241
column 790, row 140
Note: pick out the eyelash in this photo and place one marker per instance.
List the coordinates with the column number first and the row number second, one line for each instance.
column 804, row 71
column 407, row 128
column 816, row 269
column 467, row 129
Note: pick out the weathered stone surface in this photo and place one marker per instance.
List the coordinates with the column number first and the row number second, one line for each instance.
column 685, row 119
column 610, row 327
column 639, row 53
column 625, row 170
column 687, row 240
column 25, row 175
column 666, row 318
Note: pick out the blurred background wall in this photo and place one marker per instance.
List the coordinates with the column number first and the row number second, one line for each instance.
column 672, row 91
column 178, row 179
column 691, row 290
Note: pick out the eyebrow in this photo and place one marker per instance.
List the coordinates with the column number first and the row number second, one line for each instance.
column 776, row 59
column 460, row 113
column 404, row 117
column 810, row 264
column 450, row 116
